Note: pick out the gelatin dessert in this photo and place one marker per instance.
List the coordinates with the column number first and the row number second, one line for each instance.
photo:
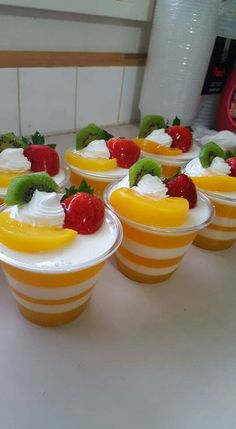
column 172, row 146
column 53, row 247
column 214, row 173
column 100, row 158
column 160, row 220
column 19, row 156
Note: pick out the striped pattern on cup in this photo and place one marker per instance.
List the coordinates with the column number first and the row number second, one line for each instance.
column 51, row 299
column 151, row 257
column 98, row 185
column 221, row 233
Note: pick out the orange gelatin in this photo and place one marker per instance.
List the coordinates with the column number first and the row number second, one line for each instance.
column 97, row 185
column 216, row 183
column 99, row 164
column 156, row 148
column 27, row 238
column 6, row 177
column 166, row 212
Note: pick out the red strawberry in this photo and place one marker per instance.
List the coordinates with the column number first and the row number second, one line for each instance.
column 83, row 212
column 43, row 158
column 125, row 151
column 232, row 164
column 182, row 137
column 183, row 186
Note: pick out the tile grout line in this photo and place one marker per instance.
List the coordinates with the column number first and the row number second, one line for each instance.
column 120, row 98
column 76, row 90
column 18, row 99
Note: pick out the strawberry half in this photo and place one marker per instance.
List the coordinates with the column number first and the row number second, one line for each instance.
column 183, row 186
column 181, row 136
column 83, row 212
column 125, row 151
column 43, row 158
column 232, row 164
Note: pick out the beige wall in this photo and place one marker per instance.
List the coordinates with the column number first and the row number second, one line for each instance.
column 29, row 29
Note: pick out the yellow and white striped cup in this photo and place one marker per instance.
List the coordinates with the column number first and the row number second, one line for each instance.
column 220, row 234
column 149, row 254
column 54, row 297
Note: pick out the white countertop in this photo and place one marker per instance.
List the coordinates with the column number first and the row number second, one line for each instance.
column 154, row 357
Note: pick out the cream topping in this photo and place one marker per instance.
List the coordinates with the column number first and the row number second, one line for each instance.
column 95, row 149
column 149, row 185
column 218, row 167
column 225, row 139
column 44, row 209
column 160, row 136
column 13, row 159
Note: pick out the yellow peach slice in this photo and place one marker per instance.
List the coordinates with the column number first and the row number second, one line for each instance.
column 216, row 183
column 156, row 148
column 166, row 212
column 99, row 164
column 6, row 177
column 27, row 238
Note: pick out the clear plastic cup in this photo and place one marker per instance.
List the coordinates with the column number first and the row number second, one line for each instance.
column 97, row 181
column 151, row 255
column 172, row 165
column 220, row 234
column 53, row 294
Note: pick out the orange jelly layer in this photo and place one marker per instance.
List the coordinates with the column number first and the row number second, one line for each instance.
column 166, row 212
column 99, row 164
column 6, row 177
column 98, row 185
column 139, row 277
column 211, row 244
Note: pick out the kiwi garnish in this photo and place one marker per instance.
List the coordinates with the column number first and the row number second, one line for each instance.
column 231, row 153
column 87, row 134
column 10, row 141
column 21, row 188
column 208, row 152
column 142, row 167
column 151, row 123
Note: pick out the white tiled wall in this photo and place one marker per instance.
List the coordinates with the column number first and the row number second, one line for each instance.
column 64, row 99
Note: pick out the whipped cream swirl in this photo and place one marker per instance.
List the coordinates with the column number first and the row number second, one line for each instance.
column 218, row 167
column 225, row 139
column 95, row 149
column 160, row 136
column 149, row 185
column 44, row 209
column 13, row 159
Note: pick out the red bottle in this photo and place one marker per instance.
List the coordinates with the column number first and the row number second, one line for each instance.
column 226, row 114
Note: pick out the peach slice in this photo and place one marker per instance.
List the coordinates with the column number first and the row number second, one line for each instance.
column 27, row 238
column 156, row 148
column 99, row 164
column 166, row 212
column 6, row 177
column 216, row 183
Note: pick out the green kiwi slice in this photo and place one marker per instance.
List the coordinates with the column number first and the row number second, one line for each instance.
column 208, row 152
column 10, row 141
column 142, row 167
column 87, row 134
column 21, row 188
column 230, row 153
column 150, row 123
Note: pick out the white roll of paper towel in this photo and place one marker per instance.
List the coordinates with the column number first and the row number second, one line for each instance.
column 182, row 40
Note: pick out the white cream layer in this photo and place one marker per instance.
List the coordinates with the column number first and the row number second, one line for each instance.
column 13, row 159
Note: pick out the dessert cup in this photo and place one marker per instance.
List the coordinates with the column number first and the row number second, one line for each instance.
column 53, row 288
column 220, row 234
column 151, row 255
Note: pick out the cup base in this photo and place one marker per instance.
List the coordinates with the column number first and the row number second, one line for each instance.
column 139, row 277
column 210, row 244
column 47, row 320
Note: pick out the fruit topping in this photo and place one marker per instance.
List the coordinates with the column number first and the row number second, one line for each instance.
column 99, row 164
column 183, row 186
column 21, row 188
column 87, row 134
column 181, row 136
column 156, row 148
column 232, row 164
column 216, row 183
column 208, row 152
column 125, row 151
column 84, row 212
column 43, row 158
column 142, row 167
column 24, row 237
column 150, row 123
column 165, row 212
column 10, row 141
column 230, row 153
